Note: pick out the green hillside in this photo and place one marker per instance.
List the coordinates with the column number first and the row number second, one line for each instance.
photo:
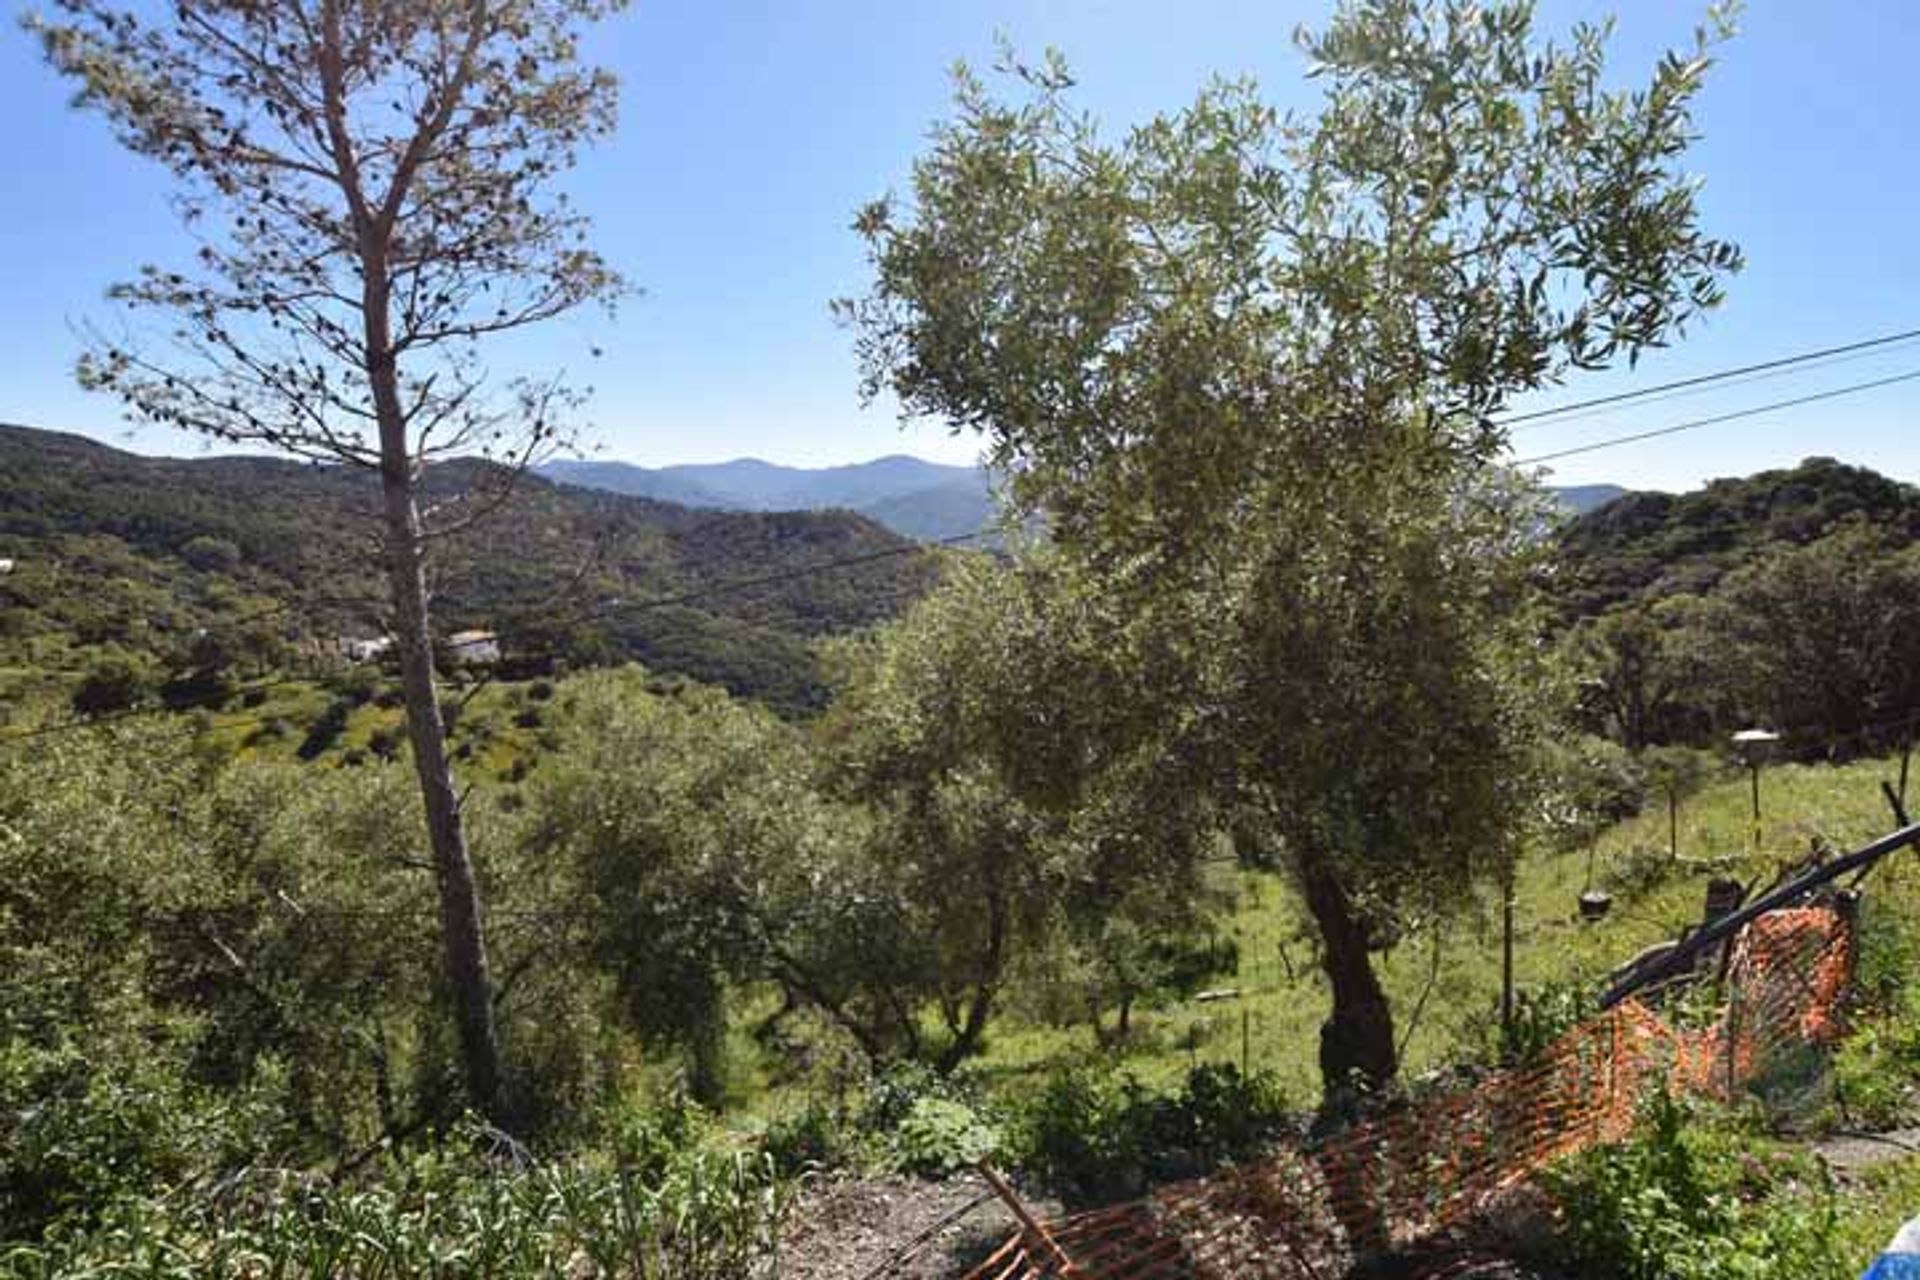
column 165, row 559
column 1644, row 545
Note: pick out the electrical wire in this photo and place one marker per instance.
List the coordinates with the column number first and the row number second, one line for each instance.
column 1724, row 375
column 1716, row 419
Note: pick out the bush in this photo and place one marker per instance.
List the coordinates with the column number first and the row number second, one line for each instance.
column 1098, row 1134
column 117, row 681
column 940, row 1136
column 326, row 729
column 1690, row 1198
column 1640, row 870
column 1877, row 1068
column 1595, row 784
column 1541, row 1015
column 811, row 1139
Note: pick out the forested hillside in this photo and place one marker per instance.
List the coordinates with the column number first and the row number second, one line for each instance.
column 1642, row 546
column 1789, row 599
column 161, row 560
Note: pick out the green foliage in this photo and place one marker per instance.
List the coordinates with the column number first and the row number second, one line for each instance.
column 1595, row 784
column 1877, row 1067
column 116, row 681
column 183, row 943
column 1650, row 546
column 695, row 1215
column 1020, row 821
column 1099, row 1134
column 1690, row 1199
column 697, row 854
column 1789, row 599
column 1541, row 1015
column 939, row 1136
column 1639, row 870
column 1250, row 366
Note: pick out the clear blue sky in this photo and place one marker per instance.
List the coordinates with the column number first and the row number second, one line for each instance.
column 752, row 130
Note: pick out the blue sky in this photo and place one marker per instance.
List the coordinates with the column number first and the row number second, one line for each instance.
column 752, row 130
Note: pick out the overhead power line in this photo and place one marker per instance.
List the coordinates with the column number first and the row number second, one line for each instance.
column 1697, row 423
column 1706, row 379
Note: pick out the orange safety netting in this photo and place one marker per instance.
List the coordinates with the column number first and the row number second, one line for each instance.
column 1415, row 1167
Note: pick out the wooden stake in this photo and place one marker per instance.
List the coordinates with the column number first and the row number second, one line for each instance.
column 1030, row 1226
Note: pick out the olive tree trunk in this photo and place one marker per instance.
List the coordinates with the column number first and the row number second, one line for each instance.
column 1356, row 1042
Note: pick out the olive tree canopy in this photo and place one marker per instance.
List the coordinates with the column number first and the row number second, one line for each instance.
column 1250, row 367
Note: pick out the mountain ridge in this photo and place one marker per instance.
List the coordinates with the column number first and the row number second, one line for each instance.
column 913, row 497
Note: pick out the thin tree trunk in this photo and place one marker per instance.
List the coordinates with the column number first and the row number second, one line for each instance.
column 462, row 931
column 1356, row 1043
column 980, row 1007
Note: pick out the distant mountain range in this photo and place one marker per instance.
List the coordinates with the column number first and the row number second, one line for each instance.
column 1579, row 499
column 911, row 496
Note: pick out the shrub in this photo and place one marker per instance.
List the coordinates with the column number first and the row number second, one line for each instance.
column 1690, row 1198
column 1541, row 1015
column 1595, row 784
column 1877, row 1068
column 118, row 680
column 814, row 1138
column 1098, row 1134
column 940, row 1136
column 1640, row 870
column 326, row 729
column 456, row 1210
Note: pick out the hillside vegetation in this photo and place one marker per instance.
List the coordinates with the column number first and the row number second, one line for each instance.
column 1789, row 599
column 1641, row 547
column 162, row 561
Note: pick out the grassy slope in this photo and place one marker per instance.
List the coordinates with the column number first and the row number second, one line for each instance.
column 1283, row 1010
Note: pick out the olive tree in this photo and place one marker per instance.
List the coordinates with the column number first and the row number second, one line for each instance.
column 1020, row 813
column 1249, row 367
column 369, row 184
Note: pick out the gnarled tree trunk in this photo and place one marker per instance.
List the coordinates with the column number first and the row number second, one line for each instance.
column 1356, row 1043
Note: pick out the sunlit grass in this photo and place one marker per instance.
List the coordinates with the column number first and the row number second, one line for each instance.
column 1283, row 999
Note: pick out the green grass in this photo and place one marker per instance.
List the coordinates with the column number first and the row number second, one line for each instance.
column 1283, row 999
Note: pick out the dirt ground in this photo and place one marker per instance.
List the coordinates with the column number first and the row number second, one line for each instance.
column 1851, row 1154
column 847, row 1228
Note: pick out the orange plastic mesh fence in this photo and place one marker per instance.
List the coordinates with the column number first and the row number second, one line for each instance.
column 1414, row 1167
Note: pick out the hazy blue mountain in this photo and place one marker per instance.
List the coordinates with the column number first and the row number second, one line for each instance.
column 909, row 495
column 1582, row 498
column 938, row 512
column 638, row 482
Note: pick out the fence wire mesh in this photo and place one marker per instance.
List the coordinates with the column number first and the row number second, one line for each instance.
column 1409, row 1170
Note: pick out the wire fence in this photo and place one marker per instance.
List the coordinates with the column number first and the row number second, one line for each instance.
column 1411, row 1169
